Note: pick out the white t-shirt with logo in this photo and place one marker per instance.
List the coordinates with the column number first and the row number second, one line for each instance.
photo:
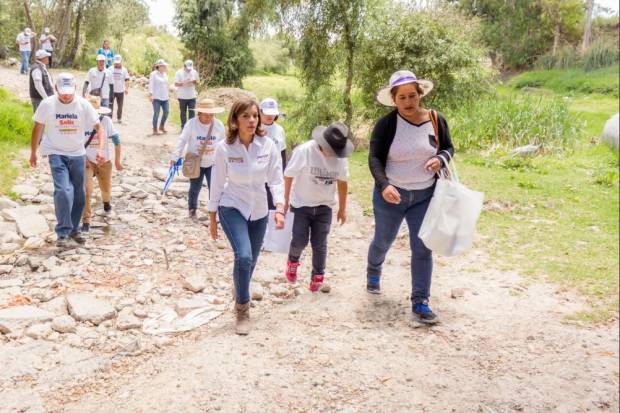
column 24, row 42
column 314, row 176
column 194, row 135
column 65, row 125
column 187, row 91
column 96, row 80
column 276, row 133
column 93, row 146
column 118, row 78
column 46, row 42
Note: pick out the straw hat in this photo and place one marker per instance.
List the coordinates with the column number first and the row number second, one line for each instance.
column 95, row 101
column 402, row 77
column 208, row 106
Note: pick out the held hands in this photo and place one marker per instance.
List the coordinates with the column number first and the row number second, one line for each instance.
column 433, row 165
column 391, row 195
column 279, row 218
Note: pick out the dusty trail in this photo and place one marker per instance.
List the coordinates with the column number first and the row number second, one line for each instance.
column 503, row 345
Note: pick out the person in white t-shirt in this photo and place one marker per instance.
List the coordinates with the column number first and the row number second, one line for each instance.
column 47, row 41
column 315, row 170
column 185, row 81
column 195, row 138
column 103, row 170
column 269, row 114
column 66, row 118
column 23, row 41
column 98, row 82
column 119, row 88
column 159, row 95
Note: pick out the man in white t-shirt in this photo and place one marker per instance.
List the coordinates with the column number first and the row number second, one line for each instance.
column 98, row 82
column 47, row 41
column 185, row 81
column 25, row 47
column 119, row 87
column 103, row 171
column 314, row 171
column 66, row 118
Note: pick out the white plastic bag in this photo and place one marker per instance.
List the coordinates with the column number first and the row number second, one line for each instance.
column 450, row 222
column 278, row 240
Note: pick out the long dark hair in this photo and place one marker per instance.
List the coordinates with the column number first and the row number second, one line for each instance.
column 236, row 110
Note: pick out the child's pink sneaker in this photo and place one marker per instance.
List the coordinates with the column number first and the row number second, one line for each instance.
column 316, row 281
column 291, row 271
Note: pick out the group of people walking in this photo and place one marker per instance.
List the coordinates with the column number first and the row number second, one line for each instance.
column 244, row 164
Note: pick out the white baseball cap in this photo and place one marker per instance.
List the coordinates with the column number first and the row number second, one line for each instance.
column 118, row 58
column 188, row 64
column 161, row 62
column 65, row 84
column 269, row 107
column 100, row 57
column 27, row 30
column 40, row 54
column 46, row 30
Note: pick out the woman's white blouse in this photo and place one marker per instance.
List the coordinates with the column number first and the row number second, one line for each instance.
column 239, row 175
column 158, row 85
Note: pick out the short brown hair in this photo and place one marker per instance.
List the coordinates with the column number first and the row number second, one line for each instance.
column 394, row 90
column 237, row 109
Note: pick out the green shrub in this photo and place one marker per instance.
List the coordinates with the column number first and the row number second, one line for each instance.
column 270, row 55
column 600, row 55
column 565, row 58
column 505, row 122
column 15, row 130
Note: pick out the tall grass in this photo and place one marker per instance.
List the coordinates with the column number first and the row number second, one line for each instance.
column 601, row 55
column 15, row 128
column 506, row 121
column 572, row 81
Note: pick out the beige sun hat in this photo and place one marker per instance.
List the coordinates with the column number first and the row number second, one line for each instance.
column 96, row 102
column 402, row 77
column 208, row 106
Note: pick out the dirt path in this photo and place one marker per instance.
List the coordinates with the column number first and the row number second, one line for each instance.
column 503, row 345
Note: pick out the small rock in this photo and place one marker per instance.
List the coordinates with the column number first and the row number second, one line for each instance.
column 50, row 263
column 11, row 282
column 5, row 269
column 126, row 320
column 85, row 307
column 257, row 293
column 8, row 248
column 57, row 306
column 7, row 327
column 25, row 315
column 11, row 236
column 194, row 283
column 7, row 203
column 164, row 292
column 59, row 272
column 278, row 290
column 25, row 190
column 32, row 225
column 457, row 293
column 64, row 324
column 34, row 243
column 326, row 288
column 38, row 331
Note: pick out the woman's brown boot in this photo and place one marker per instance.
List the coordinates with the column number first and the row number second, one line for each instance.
column 242, row 326
column 155, row 132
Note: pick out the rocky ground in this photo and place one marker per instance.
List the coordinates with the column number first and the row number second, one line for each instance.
column 84, row 329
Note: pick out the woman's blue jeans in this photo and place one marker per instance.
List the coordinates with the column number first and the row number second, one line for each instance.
column 246, row 239
column 195, row 185
column 388, row 219
column 164, row 105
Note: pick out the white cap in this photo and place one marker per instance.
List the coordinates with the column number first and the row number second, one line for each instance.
column 27, row 30
column 188, row 64
column 100, row 57
column 269, row 107
column 46, row 30
column 40, row 54
column 161, row 62
column 65, row 84
column 118, row 58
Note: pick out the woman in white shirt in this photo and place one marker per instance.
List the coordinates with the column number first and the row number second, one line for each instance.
column 200, row 135
column 243, row 163
column 159, row 95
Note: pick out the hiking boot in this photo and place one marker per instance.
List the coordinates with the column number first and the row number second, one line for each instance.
column 62, row 242
column 291, row 271
column 242, row 325
column 85, row 227
column 162, row 129
column 316, row 281
column 373, row 285
column 107, row 207
column 423, row 313
column 192, row 215
column 155, row 132
column 77, row 237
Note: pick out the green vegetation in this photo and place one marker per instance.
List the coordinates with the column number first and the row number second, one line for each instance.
column 15, row 128
column 571, row 81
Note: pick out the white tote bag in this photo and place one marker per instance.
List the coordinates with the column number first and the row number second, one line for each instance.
column 278, row 240
column 450, row 222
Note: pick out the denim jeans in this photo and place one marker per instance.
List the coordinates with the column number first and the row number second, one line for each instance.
column 246, row 239
column 25, row 60
column 185, row 106
column 69, row 196
column 105, row 102
column 388, row 219
column 157, row 104
column 195, row 185
column 311, row 223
